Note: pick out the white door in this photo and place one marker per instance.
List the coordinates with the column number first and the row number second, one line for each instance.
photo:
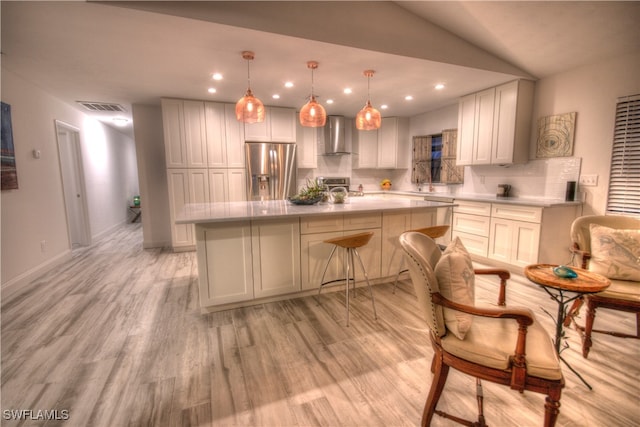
column 73, row 184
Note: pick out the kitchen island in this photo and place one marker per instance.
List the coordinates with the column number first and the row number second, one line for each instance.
column 253, row 252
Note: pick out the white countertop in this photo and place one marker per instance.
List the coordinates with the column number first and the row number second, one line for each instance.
column 528, row 201
column 199, row 213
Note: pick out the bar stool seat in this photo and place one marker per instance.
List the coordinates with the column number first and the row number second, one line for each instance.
column 434, row 232
column 350, row 244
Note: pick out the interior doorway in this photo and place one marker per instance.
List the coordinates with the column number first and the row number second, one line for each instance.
column 73, row 184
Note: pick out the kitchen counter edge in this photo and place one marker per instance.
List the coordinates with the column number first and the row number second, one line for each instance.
column 538, row 202
column 202, row 213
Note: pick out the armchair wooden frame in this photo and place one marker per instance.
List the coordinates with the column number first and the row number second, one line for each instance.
column 581, row 250
column 515, row 376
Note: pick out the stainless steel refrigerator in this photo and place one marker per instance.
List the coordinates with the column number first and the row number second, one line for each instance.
column 271, row 170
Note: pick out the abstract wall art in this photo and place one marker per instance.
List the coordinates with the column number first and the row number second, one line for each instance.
column 555, row 135
column 8, row 171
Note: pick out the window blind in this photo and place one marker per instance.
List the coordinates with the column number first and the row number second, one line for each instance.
column 624, row 182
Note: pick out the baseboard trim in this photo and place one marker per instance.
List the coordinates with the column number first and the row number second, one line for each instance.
column 37, row 271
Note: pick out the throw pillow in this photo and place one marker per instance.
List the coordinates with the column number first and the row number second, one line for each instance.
column 615, row 253
column 456, row 279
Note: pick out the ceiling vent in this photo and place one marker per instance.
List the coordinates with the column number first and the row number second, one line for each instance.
column 102, row 106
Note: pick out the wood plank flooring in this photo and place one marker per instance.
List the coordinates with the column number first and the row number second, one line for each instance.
column 115, row 336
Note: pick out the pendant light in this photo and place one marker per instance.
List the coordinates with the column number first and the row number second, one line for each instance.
column 312, row 114
column 368, row 118
column 249, row 109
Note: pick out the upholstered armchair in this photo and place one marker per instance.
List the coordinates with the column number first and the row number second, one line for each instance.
column 608, row 245
column 498, row 344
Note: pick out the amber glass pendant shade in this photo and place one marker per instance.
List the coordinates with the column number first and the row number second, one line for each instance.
column 368, row 118
column 249, row 109
column 312, row 114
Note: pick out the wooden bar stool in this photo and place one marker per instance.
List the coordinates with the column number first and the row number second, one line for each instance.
column 350, row 243
column 434, row 232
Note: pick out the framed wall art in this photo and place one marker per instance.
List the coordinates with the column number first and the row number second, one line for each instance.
column 8, row 171
column 555, row 135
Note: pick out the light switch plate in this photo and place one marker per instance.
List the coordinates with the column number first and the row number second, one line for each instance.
column 589, row 180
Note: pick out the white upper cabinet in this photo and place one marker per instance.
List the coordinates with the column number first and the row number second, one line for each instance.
column 385, row 148
column 475, row 128
column 216, row 135
column 195, row 135
column 307, row 146
column 283, row 124
column 279, row 126
column 235, row 137
column 365, row 149
column 225, row 136
column 173, row 125
column 494, row 125
column 512, row 122
column 393, row 143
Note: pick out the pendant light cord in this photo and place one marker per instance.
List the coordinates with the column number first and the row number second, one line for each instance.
column 248, row 75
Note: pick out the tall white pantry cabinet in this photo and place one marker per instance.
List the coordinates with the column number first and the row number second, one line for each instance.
column 204, row 159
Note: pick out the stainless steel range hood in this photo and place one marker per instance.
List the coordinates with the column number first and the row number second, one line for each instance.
column 335, row 142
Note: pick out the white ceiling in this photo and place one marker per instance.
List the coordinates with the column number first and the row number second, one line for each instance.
column 138, row 52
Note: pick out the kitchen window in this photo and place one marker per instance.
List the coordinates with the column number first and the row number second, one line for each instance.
column 434, row 159
column 624, row 181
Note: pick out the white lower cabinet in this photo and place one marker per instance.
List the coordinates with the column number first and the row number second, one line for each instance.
column 393, row 225
column 517, row 235
column 471, row 223
column 514, row 237
column 313, row 258
column 314, row 252
column 178, row 183
column 218, row 185
column 514, row 242
column 225, row 266
column 276, row 257
column 227, row 185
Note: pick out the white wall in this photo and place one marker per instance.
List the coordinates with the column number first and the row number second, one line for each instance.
column 156, row 230
column 35, row 212
column 591, row 91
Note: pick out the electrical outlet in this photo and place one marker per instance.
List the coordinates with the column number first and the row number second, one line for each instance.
column 43, row 245
column 589, row 180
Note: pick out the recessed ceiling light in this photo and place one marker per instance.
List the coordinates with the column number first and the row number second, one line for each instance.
column 384, row 106
column 439, row 86
column 408, row 98
column 329, row 101
column 275, row 96
column 347, row 90
column 212, row 90
column 216, row 76
column 288, row 84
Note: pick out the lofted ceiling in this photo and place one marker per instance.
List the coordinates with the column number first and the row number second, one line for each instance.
column 137, row 52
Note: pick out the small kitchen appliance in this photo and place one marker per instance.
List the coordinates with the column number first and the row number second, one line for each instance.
column 503, row 190
column 332, row 182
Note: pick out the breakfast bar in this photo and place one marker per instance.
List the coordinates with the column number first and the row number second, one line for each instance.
column 253, row 252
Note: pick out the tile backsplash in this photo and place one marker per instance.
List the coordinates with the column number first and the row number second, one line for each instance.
column 539, row 178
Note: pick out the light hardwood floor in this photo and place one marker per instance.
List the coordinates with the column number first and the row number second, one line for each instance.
column 116, row 337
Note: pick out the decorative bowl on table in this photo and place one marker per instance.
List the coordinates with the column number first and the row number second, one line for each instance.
column 303, row 200
column 338, row 195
